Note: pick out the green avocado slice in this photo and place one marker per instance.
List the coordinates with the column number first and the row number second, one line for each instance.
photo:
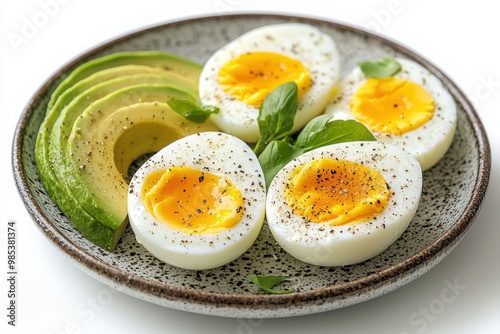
column 48, row 124
column 98, row 70
column 87, row 84
column 60, row 133
column 110, row 134
column 158, row 59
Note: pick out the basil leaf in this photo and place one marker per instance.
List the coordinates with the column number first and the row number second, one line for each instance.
column 275, row 156
column 382, row 68
column 276, row 115
column 334, row 132
column 191, row 110
column 267, row 283
column 312, row 129
column 197, row 115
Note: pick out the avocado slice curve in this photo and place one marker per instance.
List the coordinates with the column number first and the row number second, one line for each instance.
column 60, row 133
column 158, row 59
column 90, row 169
column 87, row 79
column 52, row 114
column 97, row 70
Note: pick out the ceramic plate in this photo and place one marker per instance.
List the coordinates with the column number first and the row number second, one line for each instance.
column 453, row 192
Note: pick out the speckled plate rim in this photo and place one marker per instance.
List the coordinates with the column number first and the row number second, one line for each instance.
column 257, row 306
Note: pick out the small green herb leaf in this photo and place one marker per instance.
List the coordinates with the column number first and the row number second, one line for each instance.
column 276, row 115
column 382, row 68
column 267, row 283
column 275, row 156
column 318, row 133
column 312, row 130
column 191, row 110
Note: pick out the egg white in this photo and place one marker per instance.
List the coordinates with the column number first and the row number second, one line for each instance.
column 326, row 245
column 217, row 153
column 430, row 141
column 317, row 52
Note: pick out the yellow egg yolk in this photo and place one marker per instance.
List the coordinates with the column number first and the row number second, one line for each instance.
column 192, row 201
column 392, row 105
column 336, row 192
column 252, row 76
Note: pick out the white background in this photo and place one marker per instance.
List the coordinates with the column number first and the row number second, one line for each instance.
column 54, row 296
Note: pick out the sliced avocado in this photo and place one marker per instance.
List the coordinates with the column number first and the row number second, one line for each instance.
column 112, row 132
column 52, row 114
column 156, row 59
column 60, row 133
column 94, row 72
column 85, row 86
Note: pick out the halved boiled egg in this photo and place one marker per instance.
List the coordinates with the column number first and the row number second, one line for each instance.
column 239, row 76
column 411, row 109
column 344, row 203
column 199, row 203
